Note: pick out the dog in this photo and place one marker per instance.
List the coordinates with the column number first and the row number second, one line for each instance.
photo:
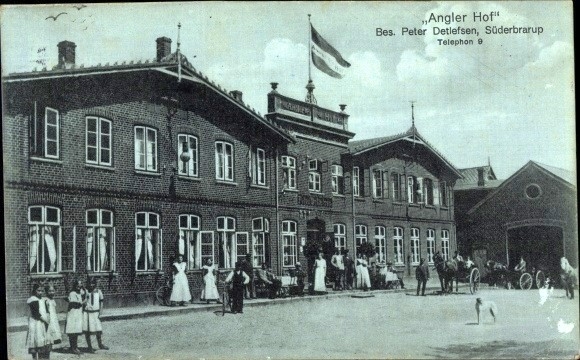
column 481, row 306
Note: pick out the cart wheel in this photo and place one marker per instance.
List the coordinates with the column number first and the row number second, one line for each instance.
column 526, row 281
column 162, row 295
column 540, row 279
column 474, row 279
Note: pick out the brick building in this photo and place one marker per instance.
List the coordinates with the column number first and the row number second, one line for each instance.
column 531, row 214
column 112, row 170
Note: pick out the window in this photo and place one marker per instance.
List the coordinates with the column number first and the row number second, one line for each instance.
column 100, row 241
column 145, row 148
column 226, row 231
column 397, row 186
column 415, row 250
column 224, row 161
column 44, row 240
column 242, row 247
column 258, row 166
column 398, row 245
column 189, row 226
column 260, row 239
column 443, row 193
column 340, row 237
column 337, row 180
column 380, row 184
column 360, row 236
column 148, row 241
column 187, row 155
column 45, row 133
column 206, row 247
column 414, row 190
column 445, row 244
column 98, row 141
column 289, row 242
column 356, row 181
column 313, row 176
column 380, row 243
column 430, row 245
column 428, row 190
column 289, row 169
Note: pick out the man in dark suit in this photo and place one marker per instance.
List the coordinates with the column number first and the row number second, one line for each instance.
column 270, row 280
column 422, row 275
column 349, row 270
column 249, row 292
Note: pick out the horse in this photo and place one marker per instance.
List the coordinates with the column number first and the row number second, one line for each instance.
column 447, row 271
column 569, row 277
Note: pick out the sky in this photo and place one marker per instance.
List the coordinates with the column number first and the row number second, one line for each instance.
column 508, row 100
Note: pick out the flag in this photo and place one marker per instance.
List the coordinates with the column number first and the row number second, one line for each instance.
column 326, row 58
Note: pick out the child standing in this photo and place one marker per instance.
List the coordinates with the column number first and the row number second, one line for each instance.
column 53, row 332
column 92, row 313
column 180, row 292
column 74, row 316
column 36, row 341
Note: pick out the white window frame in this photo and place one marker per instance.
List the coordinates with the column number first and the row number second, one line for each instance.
column 96, row 257
column 189, row 226
column 100, row 144
column 337, row 179
column 41, row 241
column 146, row 150
column 430, row 245
column 339, row 237
column 445, row 243
column 259, row 166
column 289, row 169
column 226, row 231
column 381, row 243
column 398, row 249
column 141, row 230
column 224, row 161
column 289, row 245
column 191, row 167
column 415, row 246
column 46, row 139
column 206, row 244
column 360, row 236
column 242, row 246
column 411, row 189
column 260, row 240
column 314, row 176
column 356, row 181
column 378, row 184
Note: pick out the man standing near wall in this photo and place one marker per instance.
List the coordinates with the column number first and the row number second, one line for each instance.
column 422, row 275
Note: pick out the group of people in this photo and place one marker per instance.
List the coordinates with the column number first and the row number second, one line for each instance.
column 83, row 317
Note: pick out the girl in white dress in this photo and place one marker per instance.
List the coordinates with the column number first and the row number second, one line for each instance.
column 91, row 316
column 320, row 274
column 180, row 292
column 74, row 316
column 365, row 277
column 36, row 340
column 210, row 291
column 53, row 331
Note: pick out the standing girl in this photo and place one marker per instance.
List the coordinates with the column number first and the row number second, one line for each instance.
column 36, row 340
column 74, row 316
column 180, row 291
column 320, row 274
column 91, row 321
column 53, row 331
column 210, row 291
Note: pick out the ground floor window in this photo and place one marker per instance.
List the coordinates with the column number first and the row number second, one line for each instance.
column 430, row 245
column 360, row 237
column 206, row 247
column 289, row 242
column 340, row 237
column 189, row 226
column 445, row 244
column 398, row 245
column 260, row 240
column 44, row 239
column 415, row 251
column 226, row 236
column 380, row 244
column 100, row 242
column 148, row 241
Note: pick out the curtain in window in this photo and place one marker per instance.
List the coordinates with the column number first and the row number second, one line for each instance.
column 33, row 246
column 50, row 247
column 138, row 245
column 103, row 259
column 148, row 236
column 89, row 248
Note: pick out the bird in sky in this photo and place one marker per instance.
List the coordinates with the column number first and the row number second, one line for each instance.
column 79, row 7
column 54, row 17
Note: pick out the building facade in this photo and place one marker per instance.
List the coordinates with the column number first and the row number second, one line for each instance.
column 110, row 171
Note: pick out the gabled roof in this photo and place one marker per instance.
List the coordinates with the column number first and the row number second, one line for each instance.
column 168, row 65
column 564, row 176
column 471, row 178
column 360, row 146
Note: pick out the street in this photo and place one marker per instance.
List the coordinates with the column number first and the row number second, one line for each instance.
column 388, row 325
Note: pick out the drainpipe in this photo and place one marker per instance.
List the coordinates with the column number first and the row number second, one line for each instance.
column 280, row 251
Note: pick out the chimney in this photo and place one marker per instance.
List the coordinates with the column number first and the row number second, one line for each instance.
column 163, row 47
column 480, row 177
column 66, row 54
column 237, row 94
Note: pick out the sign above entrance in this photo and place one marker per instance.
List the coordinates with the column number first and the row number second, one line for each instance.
column 314, row 201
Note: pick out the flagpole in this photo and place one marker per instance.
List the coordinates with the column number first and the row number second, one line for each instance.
column 309, row 49
column 310, row 86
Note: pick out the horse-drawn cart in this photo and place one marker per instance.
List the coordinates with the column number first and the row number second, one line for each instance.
column 449, row 270
column 499, row 275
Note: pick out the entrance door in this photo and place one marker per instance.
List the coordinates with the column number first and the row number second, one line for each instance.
column 540, row 246
column 314, row 237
